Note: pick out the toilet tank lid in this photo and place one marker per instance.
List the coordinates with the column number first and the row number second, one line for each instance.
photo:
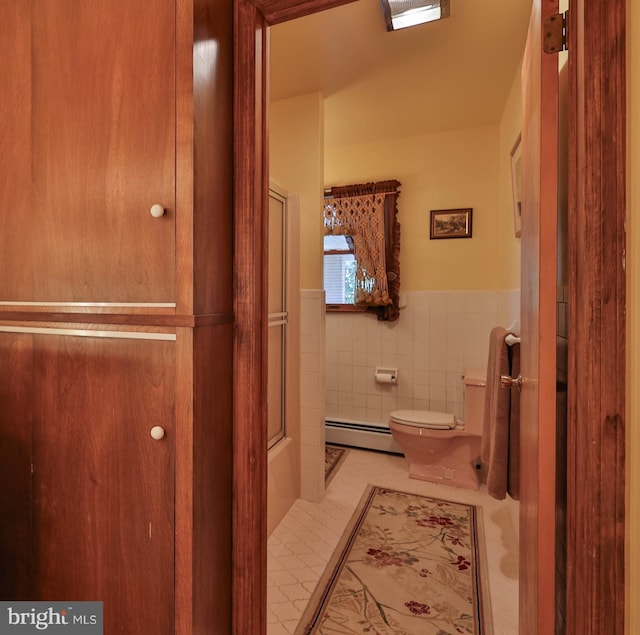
column 475, row 377
column 427, row 418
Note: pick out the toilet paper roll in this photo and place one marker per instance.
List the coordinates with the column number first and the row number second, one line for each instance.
column 386, row 378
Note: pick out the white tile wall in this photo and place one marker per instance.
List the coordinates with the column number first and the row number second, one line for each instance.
column 439, row 334
column 312, row 393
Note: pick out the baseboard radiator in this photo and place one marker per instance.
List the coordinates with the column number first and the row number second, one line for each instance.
column 359, row 434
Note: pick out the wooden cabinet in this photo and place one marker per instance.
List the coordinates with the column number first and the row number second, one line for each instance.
column 113, row 321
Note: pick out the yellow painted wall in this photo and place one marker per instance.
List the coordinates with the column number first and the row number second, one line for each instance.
column 296, row 142
column 510, row 126
column 463, row 168
column 633, row 320
column 448, row 170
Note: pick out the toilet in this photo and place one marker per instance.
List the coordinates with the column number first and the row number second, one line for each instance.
column 438, row 447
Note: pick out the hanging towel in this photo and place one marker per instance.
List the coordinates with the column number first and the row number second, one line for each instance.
column 498, row 442
column 513, row 478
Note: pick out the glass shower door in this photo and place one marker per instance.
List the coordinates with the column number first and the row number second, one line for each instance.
column 277, row 318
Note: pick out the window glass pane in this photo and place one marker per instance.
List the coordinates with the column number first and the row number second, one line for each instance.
column 336, row 242
column 339, row 278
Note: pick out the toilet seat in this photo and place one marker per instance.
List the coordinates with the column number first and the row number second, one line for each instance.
column 424, row 419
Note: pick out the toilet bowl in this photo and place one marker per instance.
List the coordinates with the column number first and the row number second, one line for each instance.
column 439, row 448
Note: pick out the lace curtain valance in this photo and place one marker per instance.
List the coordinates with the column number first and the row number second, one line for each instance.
column 368, row 214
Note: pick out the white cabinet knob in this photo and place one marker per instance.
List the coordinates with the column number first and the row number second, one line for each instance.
column 157, row 432
column 157, row 211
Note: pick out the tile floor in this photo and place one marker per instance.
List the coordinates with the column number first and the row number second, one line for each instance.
column 302, row 544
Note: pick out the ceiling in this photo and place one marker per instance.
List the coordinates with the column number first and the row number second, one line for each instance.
column 446, row 75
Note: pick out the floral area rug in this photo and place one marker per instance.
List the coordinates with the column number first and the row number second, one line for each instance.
column 408, row 564
column 333, row 458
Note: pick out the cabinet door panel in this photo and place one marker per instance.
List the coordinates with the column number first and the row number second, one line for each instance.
column 15, row 146
column 15, row 465
column 103, row 488
column 103, row 77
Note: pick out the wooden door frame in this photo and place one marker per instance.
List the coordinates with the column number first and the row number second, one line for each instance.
column 596, row 381
column 596, row 403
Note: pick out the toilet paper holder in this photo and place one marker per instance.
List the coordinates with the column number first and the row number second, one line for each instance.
column 386, row 375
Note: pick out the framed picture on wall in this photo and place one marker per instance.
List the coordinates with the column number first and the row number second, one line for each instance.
column 451, row 223
column 516, row 184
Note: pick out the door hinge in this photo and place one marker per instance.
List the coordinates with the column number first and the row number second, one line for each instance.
column 555, row 33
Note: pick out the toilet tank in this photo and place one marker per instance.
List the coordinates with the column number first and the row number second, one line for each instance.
column 475, row 383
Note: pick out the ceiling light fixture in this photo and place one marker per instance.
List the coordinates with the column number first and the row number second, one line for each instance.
column 399, row 14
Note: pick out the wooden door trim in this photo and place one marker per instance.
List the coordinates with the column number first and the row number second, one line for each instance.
column 596, row 387
column 249, row 583
column 276, row 11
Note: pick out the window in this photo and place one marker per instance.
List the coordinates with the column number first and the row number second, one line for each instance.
column 339, row 270
column 362, row 249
